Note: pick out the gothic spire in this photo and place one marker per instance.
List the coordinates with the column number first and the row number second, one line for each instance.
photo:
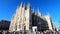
column 17, row 9
column 28, row 6
column 48, row 14
column 33, row 11
column 38, row 12
column 24, row 5
column 21, row 4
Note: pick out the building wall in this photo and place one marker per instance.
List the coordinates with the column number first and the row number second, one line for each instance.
column 4, row 25
column 49, row 22
column 39, row 22
column 21, row 19
column 24, row 19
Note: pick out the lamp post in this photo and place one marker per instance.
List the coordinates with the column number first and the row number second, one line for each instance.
column 59, row 22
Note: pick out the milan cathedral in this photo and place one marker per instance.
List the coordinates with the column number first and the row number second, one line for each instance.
column 25, row 19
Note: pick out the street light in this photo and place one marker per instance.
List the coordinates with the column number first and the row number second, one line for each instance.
column 59, row 22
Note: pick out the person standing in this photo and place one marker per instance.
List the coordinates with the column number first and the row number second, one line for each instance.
column 59, row 32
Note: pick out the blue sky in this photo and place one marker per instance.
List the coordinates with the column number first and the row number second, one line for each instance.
column 8, row 7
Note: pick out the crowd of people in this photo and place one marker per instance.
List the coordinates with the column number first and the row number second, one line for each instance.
column 37, row 32
column 49, row 32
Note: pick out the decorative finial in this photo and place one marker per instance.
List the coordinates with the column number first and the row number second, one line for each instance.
column 21, row 4
column 28, row 4
column 38, row 12
column 48, row 14
column 24, row 5
column 33, row 9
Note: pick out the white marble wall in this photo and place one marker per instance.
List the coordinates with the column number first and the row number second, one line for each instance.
column 23, row 17
column 20, row 19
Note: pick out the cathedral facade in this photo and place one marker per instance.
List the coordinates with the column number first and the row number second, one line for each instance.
column 25, row 18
